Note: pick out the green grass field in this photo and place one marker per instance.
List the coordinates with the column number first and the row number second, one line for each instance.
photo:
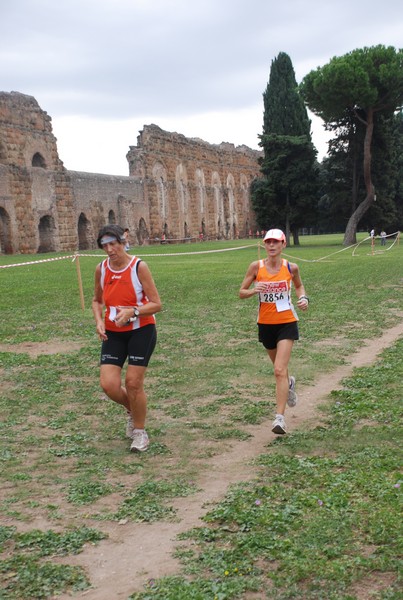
column 320, row 521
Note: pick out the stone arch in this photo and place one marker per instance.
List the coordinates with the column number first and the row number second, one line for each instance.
column 5, row 232
column 46, row 229
column 203, row 229
column 182, row 189
column 160, row 178
column 111, row 217
column 232, row 212
column 38, row 160
column 218, row 204
column 201, row 191
column 245, row 202
column 84, row 229
column 142, row 233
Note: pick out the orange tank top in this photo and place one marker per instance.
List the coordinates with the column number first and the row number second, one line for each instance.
column 275, row 306
column 123, row 288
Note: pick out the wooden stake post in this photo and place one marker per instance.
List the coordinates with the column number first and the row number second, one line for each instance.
column 80, row 283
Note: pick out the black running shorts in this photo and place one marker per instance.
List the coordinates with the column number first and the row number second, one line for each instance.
column 137, row 345
column 269, row 335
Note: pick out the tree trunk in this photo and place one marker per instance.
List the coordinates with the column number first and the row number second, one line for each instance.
column 350, row 235
column 287, row 220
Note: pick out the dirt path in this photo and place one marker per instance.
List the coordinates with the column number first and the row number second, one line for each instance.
column 135, row 553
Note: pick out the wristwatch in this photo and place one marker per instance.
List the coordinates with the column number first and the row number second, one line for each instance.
column 135, row 316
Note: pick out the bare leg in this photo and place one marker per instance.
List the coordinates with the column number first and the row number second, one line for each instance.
column 111, row 383
column 136, row 395
column 280, row 358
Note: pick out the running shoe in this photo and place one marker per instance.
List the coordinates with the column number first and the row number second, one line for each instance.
column 292, row 395
column 279, row 425
column 140, row 441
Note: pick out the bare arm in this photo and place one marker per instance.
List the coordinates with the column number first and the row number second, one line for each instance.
column 154, row 305
column 303, row 301
column 97, row 305
column 245, row 290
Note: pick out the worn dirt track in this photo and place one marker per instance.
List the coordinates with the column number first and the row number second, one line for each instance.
column 135, row 553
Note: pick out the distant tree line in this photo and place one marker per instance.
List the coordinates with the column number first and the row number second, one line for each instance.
column 359, row 184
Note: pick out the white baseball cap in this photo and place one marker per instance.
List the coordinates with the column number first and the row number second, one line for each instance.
column 274, row 234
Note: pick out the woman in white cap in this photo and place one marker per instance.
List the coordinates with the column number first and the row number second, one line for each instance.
column 124, row 285
column 277, row 319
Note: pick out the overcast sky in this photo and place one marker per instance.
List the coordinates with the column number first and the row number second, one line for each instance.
column 102, row 69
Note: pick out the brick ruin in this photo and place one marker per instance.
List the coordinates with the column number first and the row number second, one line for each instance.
column 177, row 187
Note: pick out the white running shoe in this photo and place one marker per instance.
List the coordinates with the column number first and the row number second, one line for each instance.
column 129, row 426
column 279, row 425
column 292, row 395
column 140, row 441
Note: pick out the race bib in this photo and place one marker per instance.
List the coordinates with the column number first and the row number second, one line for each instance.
column 112, row 313
column 276, row 293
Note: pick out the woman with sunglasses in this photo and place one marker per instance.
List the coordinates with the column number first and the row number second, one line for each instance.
column 125, row 287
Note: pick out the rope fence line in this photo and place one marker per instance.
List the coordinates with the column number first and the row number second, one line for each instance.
column 397, row 239
column 36, row 262
column 76, row 257
column 355, row 246
column 183, row 253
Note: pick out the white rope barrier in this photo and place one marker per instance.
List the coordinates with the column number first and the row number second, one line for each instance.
column 36, row 262
column 397, row 234
column 355, row 246
column 79, row 255
column 259, row 245
column 199, row 251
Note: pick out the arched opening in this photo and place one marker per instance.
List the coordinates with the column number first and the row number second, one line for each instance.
column 218, row 234
column 218, row 205
column 248, row 231
column 46, row 230
column 38, row 161
column 111, row 217
column 142, row 233
column 5, row 233
column 202, row 234
column 83, row 233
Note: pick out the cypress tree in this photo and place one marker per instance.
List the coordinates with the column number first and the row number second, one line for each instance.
column 284, row 109
column 286, row 194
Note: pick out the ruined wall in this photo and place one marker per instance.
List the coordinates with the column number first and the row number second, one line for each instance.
column 192, row 186
column 176, row 187
column 36, row 205
column 104, row 199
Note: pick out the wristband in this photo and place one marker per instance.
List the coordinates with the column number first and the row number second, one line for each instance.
column 303, row 297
